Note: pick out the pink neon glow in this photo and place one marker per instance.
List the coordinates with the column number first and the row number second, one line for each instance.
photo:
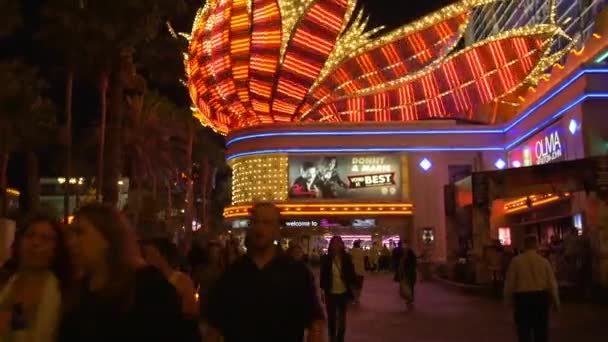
column 504, row 235
column 385, row 241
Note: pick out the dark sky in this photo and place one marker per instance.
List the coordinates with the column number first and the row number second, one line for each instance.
column 390, row 13
column 394, row 13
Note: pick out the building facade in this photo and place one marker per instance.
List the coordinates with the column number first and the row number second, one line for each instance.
column 391, row 178
column 385, row 136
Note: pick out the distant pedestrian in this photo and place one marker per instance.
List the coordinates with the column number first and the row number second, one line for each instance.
column 359, row 264
column 337, row 281
column 532, row 287
column 407, row 275
column 295, row 252
column 265, row 295
column 397, row 255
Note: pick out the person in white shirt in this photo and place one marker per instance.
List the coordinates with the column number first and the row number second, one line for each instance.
column 359, row 263
column 30, row 303
column 531, row 287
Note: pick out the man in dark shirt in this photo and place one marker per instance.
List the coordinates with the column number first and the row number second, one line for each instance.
column 265, row 296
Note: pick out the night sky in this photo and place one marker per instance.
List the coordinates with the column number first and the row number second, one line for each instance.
column 390, row 13
column 394, row 13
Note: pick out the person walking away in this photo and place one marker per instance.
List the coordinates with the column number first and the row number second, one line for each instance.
column 295, row 252
column 337, row 280
column 265, row 295
column 385, row 258
column 233, row 251
column 161, row 253
column 30, row 303
column 359, row 264
column 397, row 255
column 531, row 287
column 407, row 275
column 206, row 276
column 374, row 255
column 121, row 298
column 495, row 257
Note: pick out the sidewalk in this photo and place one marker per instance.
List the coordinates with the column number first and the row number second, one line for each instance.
column 447, row 315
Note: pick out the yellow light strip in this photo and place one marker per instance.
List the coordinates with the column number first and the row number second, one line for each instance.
column 536, row 200
column 329, row 209
column 329, row 213
column 547, row 200
column 13, row 192
column 516, row 209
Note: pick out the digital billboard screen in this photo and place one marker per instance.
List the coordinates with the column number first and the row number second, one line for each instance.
column 345, row 177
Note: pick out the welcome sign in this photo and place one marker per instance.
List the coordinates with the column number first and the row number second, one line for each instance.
column 546, row 147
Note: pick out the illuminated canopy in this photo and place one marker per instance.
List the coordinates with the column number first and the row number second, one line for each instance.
column 253, row 62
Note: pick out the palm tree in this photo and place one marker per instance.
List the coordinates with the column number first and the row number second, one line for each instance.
column 24, row 116
column 152, row 144
column 63, row 31
column 10, row 18
column 209, row 156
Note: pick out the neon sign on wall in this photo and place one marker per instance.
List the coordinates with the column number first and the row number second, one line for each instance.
column 543, row 148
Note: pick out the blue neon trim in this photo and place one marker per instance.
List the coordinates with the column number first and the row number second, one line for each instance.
column 364, row 150
column 560, row 113
column 343, row 133
column 522, row 117
column 507, row 147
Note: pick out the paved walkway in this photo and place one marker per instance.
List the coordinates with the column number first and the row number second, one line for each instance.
column 446, row 315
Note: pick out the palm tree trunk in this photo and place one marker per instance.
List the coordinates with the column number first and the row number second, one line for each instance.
column 189, row 205
column 113, row 150
column 154, row 186
column 33, row 181
column 137, row 192
column 169, row 200
column 205, row 185
column 103, row 91
column 4, row 181
column 68, row 150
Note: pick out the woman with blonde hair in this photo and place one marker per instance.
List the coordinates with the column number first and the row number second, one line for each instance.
column 121, row 298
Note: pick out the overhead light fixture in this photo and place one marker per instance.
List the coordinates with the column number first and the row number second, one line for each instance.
column 425, row 164
column 500, row 164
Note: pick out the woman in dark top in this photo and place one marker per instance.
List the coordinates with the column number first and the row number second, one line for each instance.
column 120, row 298
column 337, row 282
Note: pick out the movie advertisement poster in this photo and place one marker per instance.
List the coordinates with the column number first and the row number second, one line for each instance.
column 345, row 177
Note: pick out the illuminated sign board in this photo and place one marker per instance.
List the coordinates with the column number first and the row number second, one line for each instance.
column 543, row 148
column 364, row 223
column 241, row 223
column 345, row 177
column 324, row 223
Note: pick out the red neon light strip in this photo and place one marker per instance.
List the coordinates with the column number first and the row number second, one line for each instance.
column 390, row 61
column 443, row 92
column 265, row 49
column 240, row 49
column 310, row 46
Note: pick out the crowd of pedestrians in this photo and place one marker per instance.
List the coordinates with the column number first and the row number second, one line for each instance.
column 94, row 280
